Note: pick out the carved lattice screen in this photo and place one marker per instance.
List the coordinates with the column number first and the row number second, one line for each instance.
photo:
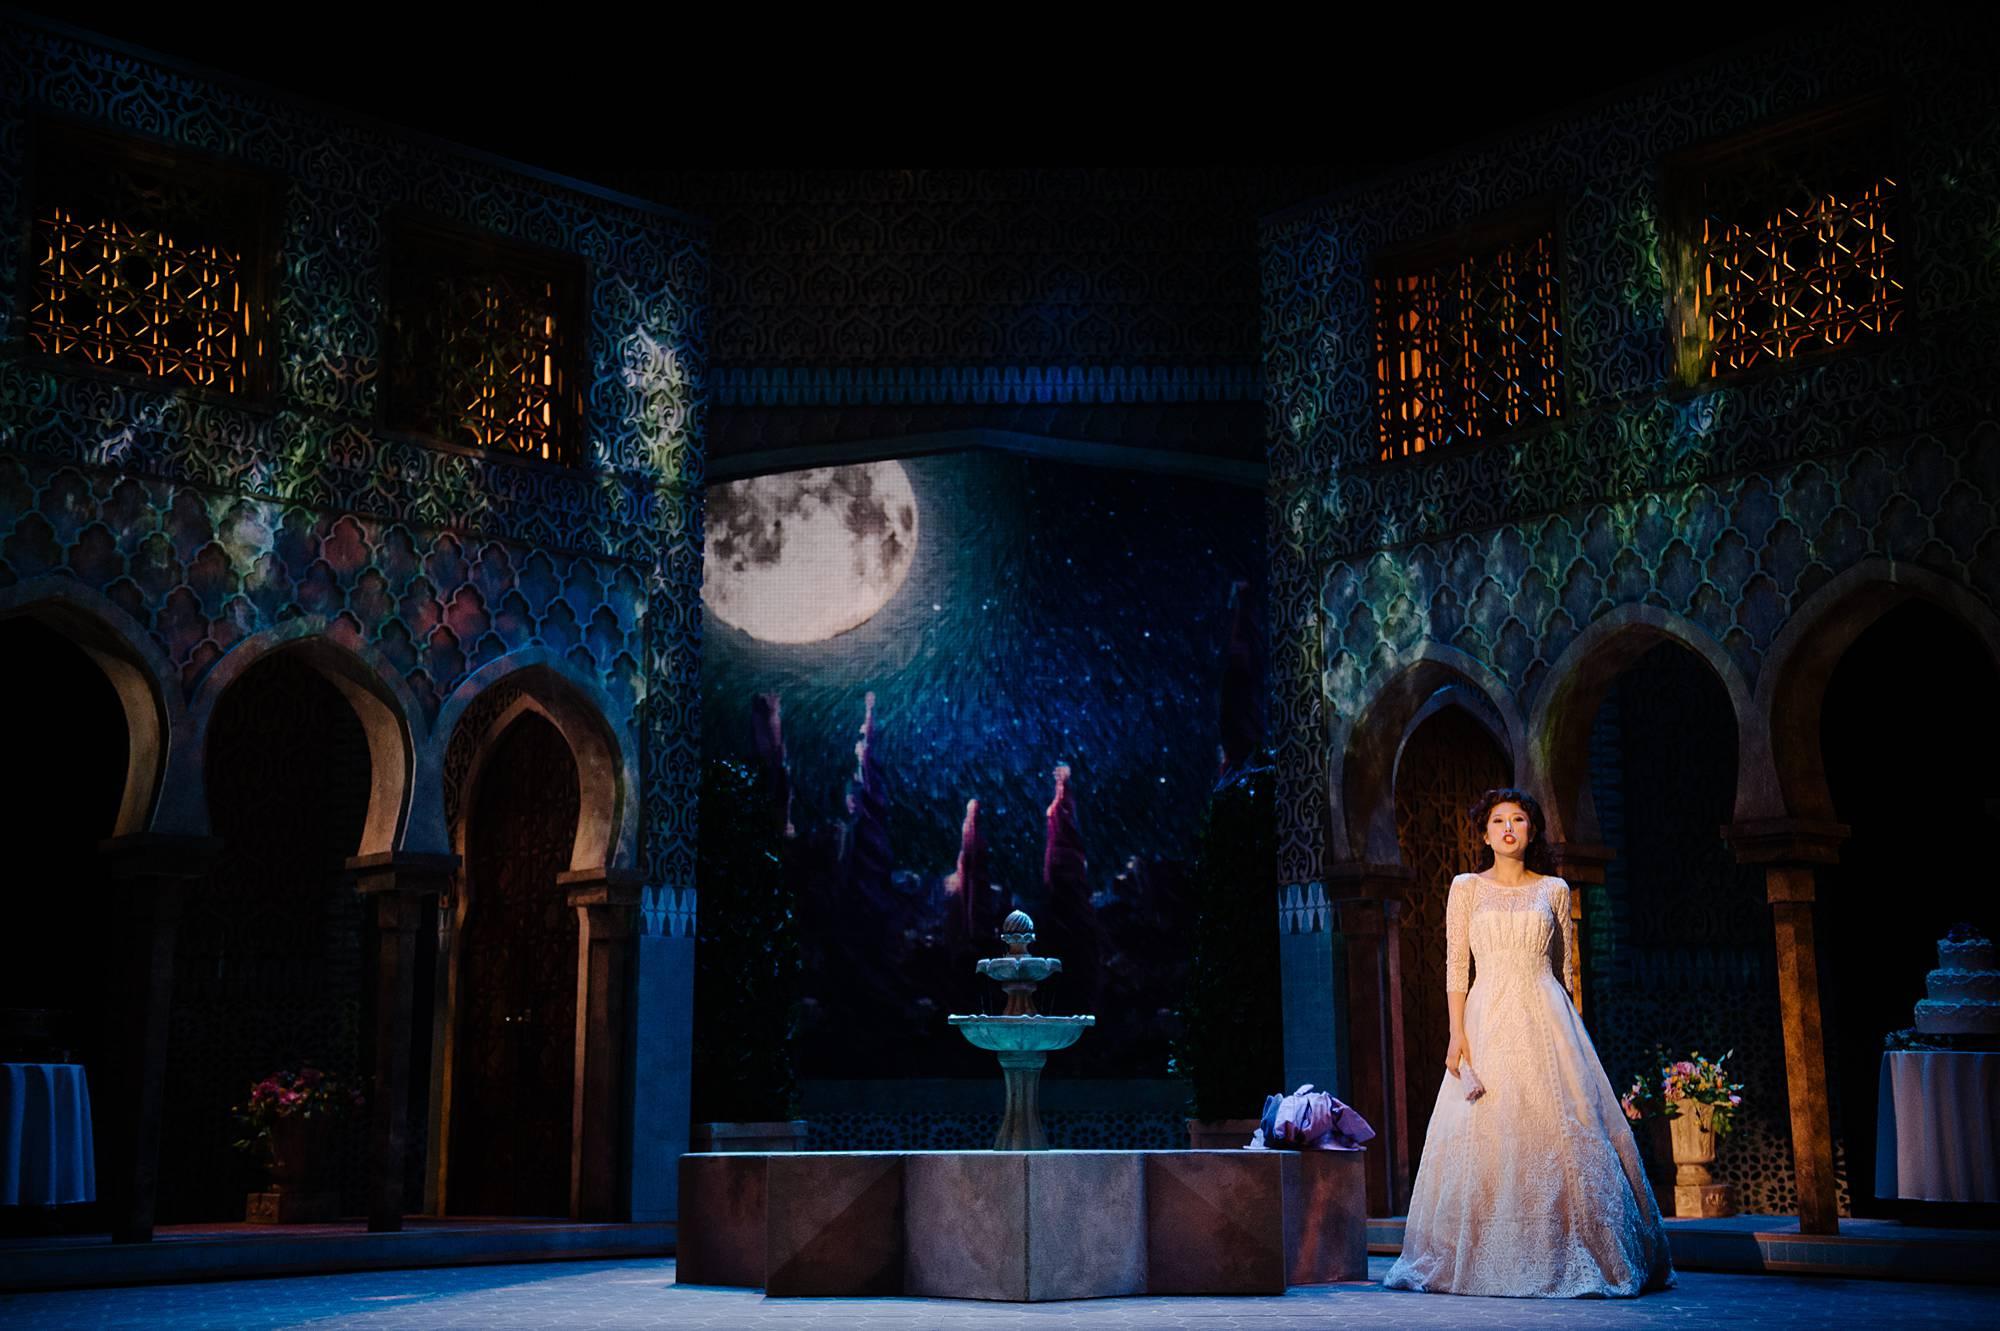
column 1468, row 349
column 145, row 263
column 483, row 346
column 1796, row 248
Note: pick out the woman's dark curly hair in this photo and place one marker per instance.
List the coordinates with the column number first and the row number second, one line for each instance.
column 1536, row 856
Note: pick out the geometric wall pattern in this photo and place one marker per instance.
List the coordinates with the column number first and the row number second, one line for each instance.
column 1727, row 504
column 210, row 518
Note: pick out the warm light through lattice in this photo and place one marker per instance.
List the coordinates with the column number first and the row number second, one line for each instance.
column 508, row 379
column 135, row 298
column 1468, row 350
column 1800, row 278
column 483, row 358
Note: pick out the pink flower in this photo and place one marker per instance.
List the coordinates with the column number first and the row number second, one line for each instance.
column 1735, row 1099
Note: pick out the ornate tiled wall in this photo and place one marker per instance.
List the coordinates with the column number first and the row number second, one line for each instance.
column 210, row 520
column 1728, row 505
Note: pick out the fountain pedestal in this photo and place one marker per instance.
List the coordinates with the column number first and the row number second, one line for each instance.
column 1022, row 1037
column 1021, row 1123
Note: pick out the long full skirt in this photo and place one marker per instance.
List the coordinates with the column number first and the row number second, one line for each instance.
column 1535, row 1190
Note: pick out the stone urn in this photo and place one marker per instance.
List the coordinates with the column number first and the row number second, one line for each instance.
column 301, row 1159
column 1696, row 1193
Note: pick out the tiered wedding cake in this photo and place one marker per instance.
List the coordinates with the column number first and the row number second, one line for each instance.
column 1964, row 989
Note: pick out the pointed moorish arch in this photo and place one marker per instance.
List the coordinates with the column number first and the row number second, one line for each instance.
column 1566, row 707
column 1792, row 687
column 382, row 702
column 148, row 691
column 1430, row 677
column 576, row 705
column 532, row 681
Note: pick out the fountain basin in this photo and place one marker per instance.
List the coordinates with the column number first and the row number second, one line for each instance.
column 1021, row 1035
column 1032, row 969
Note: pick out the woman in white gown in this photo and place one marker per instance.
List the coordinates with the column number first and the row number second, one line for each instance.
column 1530, row 1184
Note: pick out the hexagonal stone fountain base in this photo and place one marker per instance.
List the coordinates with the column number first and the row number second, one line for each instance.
column 1024, row 1226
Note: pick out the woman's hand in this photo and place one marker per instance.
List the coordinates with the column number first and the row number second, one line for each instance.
column 1461, row 1052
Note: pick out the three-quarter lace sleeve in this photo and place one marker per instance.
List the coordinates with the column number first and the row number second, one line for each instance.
column 1561, row 953
column 1457, row 935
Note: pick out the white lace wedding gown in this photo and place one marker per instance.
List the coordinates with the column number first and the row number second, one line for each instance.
column 1534, row 1190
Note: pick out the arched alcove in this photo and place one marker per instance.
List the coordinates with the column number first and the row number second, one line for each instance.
column 1910, row 712
column 512, row 1064
column 1677, row 940
column 1568, row 700
column 531, row 782
column 1448, row 759
column 271, row 969
column 71, row 746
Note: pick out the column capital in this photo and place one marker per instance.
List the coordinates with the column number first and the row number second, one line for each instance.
column 409, row 872
column 1351, row 880
column 159, row 855
column 1581, row 861
column 1798, row 841
column 602, row 886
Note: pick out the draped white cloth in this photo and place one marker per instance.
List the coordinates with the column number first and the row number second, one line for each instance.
column 1534, row 1190
column 47, row 1157
column 1937, row 1135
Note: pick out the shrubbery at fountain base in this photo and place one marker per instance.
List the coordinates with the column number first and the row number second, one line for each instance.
column 1231, row 1047
column 747, row 969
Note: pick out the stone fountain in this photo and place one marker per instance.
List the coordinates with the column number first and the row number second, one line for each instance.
column 1022, row 1222
column 1022, row 1037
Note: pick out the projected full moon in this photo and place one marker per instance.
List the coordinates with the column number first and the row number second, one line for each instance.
column 805, row 555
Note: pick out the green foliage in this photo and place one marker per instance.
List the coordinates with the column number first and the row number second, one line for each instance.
column 747, row 966
column 1687, row 322
column 1230, row 1048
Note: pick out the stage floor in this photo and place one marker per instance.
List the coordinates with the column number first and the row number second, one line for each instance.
column 1879, row 1249
column 605, row 1296
column 225, row 1251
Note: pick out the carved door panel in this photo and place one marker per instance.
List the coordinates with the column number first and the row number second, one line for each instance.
column 1446, row 765
column 511, row 1102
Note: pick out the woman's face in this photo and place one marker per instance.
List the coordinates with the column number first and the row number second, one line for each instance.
column 1508, row 829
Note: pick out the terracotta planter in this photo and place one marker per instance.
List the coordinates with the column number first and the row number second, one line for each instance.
column 299, row 1148
column 1696, row 1193
column 301, row 1152
column 737, row 1137
column 1220, row 1134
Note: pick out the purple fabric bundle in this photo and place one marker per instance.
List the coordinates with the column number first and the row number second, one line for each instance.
column 1309, row 1120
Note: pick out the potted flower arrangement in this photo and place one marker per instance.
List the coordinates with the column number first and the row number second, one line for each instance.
column 286, row 1123
column 1698, row 1101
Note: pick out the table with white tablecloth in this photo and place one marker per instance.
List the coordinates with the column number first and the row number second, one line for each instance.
column 1937, row 1126
column 47, row 1156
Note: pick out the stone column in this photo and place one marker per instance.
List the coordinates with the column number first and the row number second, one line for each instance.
column 149, row 875
column 404, row 887
column 1580, row 864
column 607, row 909
column 1370, row 899
column 1789, row 849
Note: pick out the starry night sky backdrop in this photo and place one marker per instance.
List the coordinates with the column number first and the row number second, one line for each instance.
column 1052, row 613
